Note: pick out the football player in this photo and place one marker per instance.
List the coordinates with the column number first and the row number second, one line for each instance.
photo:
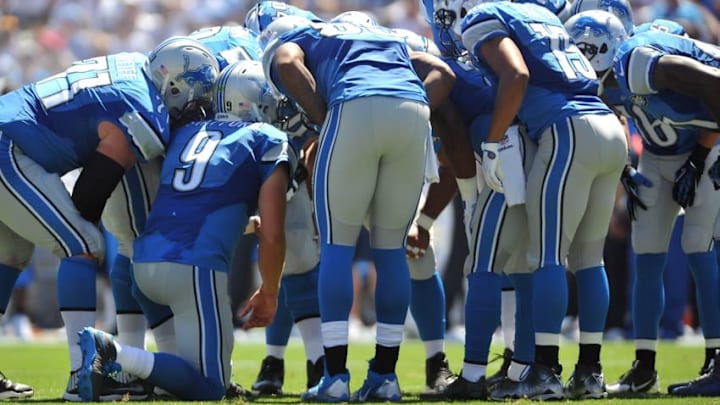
column 228, row 168
column 369, row 90
column 677, row 120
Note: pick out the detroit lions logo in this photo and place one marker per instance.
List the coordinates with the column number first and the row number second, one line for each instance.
column 203, row 75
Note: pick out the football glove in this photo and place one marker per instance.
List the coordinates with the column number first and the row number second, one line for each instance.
column 714, row 173
column 491, row 165
column 688, row 176
column 631, row 181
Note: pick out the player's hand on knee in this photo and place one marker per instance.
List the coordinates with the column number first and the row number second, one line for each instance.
column 631, row 181
column 491, row 165
column 418, row 240
column 686, row 181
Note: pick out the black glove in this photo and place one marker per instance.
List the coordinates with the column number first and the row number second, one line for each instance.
column 688, row 176
column 631, row 181
column 714, row 173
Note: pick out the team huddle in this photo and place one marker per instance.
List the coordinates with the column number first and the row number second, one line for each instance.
column 303, row 131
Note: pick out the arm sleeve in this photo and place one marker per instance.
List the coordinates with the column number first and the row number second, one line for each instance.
column 639, row 70
column 474, row 35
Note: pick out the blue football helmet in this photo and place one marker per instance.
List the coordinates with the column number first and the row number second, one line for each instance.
column 357, row 18
column 447, row 17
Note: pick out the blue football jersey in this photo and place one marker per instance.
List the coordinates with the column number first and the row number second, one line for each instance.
column 265, row 12
column 349, row 61
column 562, row 82
column 634, row 65
column 561, row 8
column 229, row 44
column 55, row 121
column 209, row 186
column 657, row 136
column 660, row 24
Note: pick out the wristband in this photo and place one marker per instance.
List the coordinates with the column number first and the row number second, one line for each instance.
column 467, row 188
column 424, row 221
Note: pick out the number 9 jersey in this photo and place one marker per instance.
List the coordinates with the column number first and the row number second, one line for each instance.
column 55, row 121
column 561, row 78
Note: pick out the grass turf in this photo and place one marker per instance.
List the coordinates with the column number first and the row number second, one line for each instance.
column 45, row 367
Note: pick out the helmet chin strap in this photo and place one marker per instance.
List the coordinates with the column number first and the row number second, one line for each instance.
column 604, row 76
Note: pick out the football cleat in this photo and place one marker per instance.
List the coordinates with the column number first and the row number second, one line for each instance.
column 437, row 376
column 708, row 367
column 636, row 381
column 270, row 378
column 541, row 383
column 378, row 387
column 586, row 382
column 707, row 385
column 314, row 371
column 98, row 362
column 13, row 390
column 502, row 372
column 235, row 390
column 334, row 388
column 462, row 389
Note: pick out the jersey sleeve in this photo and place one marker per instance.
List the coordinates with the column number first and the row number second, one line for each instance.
column 274, row 151
column 639, row 69
column 479, row 28
column 146, row 133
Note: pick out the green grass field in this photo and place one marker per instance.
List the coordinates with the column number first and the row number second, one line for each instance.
column 45, row 367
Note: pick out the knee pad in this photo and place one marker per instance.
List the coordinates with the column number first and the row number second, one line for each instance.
column 696, row 238
column 16, row 255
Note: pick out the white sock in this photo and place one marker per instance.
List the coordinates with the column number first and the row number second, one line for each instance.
column 276, row 351
column 433, row 347
column 311, row 333
column 165, row 337
column 334, row 333
column 134, row 361
column 389, row 335
column 74, row 322
column 507, row 319
column 518, row 371
column 131, row 330
column 473, row 372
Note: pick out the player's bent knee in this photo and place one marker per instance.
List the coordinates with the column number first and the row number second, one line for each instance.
column 381, row 238
column 586, row 255
column 696, row 238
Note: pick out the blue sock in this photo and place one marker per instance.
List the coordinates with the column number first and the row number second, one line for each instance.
column 8, row 276
column 551, row 295
column 648, row 298
column 482, row 315
column 427, row 305
column 335, row 283
column 524, row 322
column 183, row 380
column 301, row 293
column 704, row 268
column 121, row 285
column 278, row 332
column 155, row 313
column 392, row 291
column 593, row 295
column 76, row 284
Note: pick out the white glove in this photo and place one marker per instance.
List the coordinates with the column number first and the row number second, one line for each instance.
column 468, row 211
column 491, row 165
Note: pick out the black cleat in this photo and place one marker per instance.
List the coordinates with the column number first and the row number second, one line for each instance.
column 13, row 390
column 98, row 362
column 462, row 389
column 270, row 378
column 437, row 376
column 541, row 383
column 502, row 372
column 707, row 385
column 235, row 391
column 314, row 371
column 586, row 382
column 708, row 367
column 636, row 381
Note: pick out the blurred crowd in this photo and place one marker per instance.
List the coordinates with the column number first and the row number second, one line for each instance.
column 39, row 38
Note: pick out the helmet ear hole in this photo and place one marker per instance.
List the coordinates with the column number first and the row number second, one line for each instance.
column 604, row 48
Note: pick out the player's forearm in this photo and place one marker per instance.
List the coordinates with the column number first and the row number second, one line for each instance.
column 708, row 139
column 437, row 77
column 449, row 126
column 441, row 193
column 301, row 86
column 691, row 78
column 271, row 258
